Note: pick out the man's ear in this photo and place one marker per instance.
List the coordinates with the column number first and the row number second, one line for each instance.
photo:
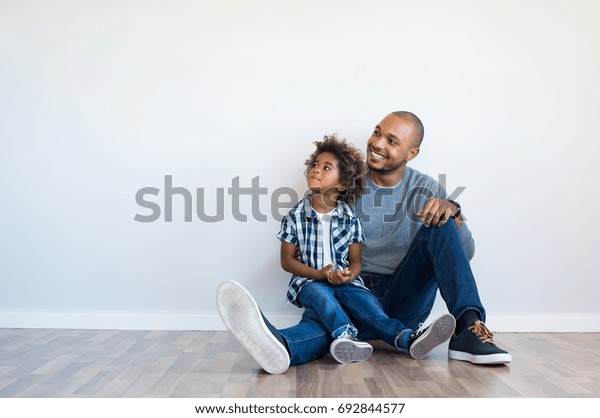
column 412, row 154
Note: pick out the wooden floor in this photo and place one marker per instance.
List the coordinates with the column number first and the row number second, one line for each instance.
column 196, row 364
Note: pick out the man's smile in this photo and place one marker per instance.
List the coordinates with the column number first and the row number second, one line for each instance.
column 376, row 155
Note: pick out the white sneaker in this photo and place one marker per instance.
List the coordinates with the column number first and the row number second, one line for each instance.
column 426, row 339
column 346, row 349
column 245, row 321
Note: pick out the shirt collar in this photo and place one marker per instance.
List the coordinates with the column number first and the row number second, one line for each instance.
column 340, row 207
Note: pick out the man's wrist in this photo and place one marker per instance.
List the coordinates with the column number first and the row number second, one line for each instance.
column 458, row 209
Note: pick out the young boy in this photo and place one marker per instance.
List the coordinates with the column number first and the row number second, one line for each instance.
column 328, row 235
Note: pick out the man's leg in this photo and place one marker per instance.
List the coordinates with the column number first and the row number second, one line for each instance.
column 274, row 350
column 245, row 321
column 436, row 259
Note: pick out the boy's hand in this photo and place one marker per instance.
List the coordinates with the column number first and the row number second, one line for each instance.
column 324, row 272
column 338, row 277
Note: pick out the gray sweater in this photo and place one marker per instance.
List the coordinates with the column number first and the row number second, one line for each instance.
column 390, row 223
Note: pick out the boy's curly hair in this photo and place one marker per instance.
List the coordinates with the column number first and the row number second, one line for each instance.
column 351, row 164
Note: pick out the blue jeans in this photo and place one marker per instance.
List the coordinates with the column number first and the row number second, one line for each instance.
column 331, row 303
column 435, row 260
column 322, row 297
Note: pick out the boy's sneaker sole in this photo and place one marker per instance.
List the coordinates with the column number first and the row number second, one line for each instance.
column 440, row 330
column 488, row 359
column 243, row 318
column 348, row 351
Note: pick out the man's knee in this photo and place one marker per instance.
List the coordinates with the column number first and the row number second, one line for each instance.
column 447, row 228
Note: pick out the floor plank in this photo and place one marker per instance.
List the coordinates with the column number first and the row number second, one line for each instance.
column 212, row 364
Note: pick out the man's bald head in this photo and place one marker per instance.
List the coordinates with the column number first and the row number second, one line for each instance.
column 418, row 129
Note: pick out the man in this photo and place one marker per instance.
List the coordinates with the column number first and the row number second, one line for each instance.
column 416, row 243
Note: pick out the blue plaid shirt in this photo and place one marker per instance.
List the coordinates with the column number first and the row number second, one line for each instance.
column 302, row 227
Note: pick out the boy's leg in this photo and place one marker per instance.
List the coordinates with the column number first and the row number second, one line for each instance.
column 309, row 340
column 371, row 319
column 320, row 297
column 345, row 348
column 274, row 350
column 367, row 312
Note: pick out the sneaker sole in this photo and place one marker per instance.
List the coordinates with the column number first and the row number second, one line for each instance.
column 440, row 330
column 243, row 319
column 488, row 359
column 347, row 351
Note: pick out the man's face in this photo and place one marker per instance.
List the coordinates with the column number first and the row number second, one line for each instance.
column 391, row 145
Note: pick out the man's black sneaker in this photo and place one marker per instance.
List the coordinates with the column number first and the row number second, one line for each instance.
column 422, row 341
column 475, row 344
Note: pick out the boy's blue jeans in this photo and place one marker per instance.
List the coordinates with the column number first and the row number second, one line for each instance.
column 435, row 260
column 332, row 305
column 322, row 298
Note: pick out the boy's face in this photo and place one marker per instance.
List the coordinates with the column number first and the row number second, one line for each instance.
column 324, row 175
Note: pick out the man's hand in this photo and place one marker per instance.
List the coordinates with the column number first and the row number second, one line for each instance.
column 436, row 212
column 339, row 276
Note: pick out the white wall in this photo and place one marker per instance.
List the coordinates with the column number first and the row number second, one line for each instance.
column 101, row 98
